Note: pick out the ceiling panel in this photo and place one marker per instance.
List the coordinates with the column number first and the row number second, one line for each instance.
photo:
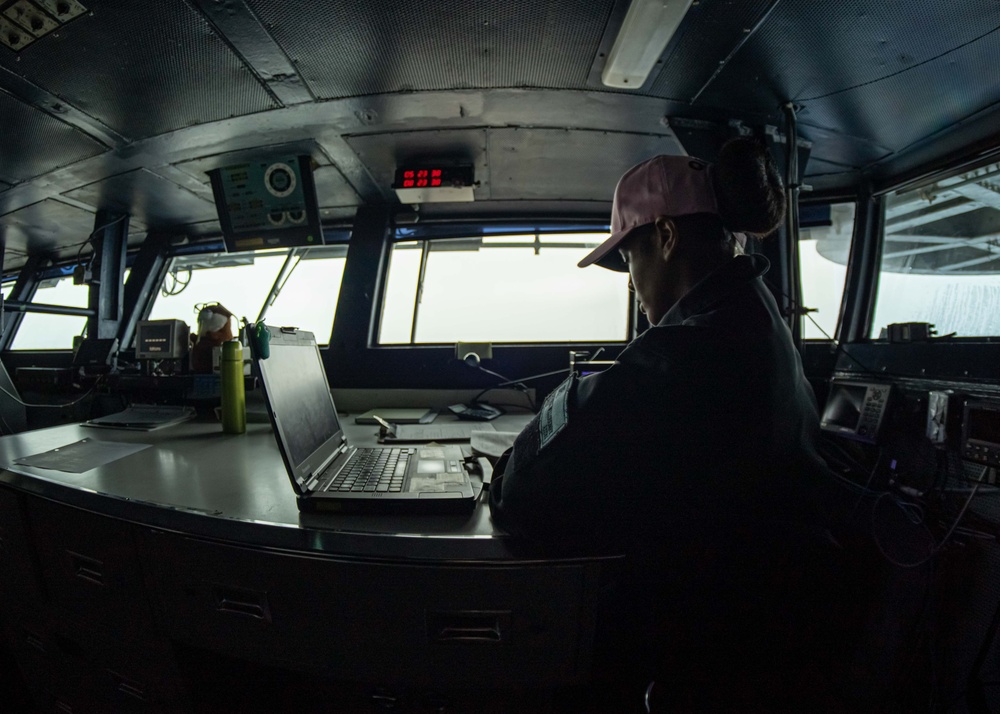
column 33, row 143
column 41, row 227
column 344, row 48
column 156, row 202
column 808, row 50
column 709, row 32
column 382, row 153
column 847, row 151
column 567, row 165
column 901, row 110
column 821, row 174
column 332, row 189
column 142, row 68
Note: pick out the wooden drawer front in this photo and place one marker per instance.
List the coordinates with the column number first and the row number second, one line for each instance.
column 19, row 580
column 90, row 567
column 375, row 622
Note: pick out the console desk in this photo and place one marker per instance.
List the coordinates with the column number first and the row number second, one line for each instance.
column 195, row 544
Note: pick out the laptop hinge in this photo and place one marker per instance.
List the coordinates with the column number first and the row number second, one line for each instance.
column 323, row 466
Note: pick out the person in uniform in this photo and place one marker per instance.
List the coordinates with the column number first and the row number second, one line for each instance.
column 694, row 455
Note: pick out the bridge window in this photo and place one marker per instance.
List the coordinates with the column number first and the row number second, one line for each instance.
column 521, row 288
column 300, row 286
column 40, row 331
column 824, row 247
column 941, row 256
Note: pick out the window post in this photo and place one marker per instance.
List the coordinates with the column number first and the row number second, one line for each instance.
column 109, row 240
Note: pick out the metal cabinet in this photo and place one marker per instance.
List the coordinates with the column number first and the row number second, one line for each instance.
column 90, row 567
column 441, row 624
column 19, row 580
column 90, row 644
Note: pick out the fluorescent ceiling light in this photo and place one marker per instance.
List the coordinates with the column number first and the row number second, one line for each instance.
column 648, row 27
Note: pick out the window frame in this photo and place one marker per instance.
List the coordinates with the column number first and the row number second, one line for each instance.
column 862, row 331
column 38, row 276
column 431, row 233
column 855, row 238
column 341, row 243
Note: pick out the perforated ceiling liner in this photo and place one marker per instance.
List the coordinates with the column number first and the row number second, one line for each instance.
column 147, row 197
column 345, row 48
column 41, row 227
column 707, row 35
column 902, row 110
column 143, row 68
column 39, row 143
column 807, row 50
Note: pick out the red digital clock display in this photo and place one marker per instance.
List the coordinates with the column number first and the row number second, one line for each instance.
column 421, row 178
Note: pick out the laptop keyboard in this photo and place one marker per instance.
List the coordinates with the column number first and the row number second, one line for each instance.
column 373, row 470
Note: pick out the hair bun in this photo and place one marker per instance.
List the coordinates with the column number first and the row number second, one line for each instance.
column 748, row 187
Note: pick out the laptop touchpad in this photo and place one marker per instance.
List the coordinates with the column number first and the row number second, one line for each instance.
column 431, row 466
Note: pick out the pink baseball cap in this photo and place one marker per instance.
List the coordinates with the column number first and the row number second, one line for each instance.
column 662, row 186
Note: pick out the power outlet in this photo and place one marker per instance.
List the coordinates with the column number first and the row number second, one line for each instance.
column 483, row 350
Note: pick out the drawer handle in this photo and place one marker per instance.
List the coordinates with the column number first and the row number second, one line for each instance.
column 483, row 627
column 488, row 633
column 127, row 686
column 33, row 640
column 248, row 603
column 89, row 569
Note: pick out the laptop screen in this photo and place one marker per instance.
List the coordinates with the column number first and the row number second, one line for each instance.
column 299, row 396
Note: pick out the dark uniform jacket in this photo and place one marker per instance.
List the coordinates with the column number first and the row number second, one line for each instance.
column 701, row 435
column 694, row 456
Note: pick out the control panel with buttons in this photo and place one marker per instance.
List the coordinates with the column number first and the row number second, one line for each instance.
column 981, row 432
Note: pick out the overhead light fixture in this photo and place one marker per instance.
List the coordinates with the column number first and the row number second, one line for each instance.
column 648, row 27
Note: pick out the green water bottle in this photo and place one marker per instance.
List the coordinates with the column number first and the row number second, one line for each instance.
column 234, row 398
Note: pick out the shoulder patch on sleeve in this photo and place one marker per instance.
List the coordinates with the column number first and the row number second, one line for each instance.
column 554, row 415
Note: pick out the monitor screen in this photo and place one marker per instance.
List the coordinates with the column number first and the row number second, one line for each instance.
column 843, row 408
column 984, row 425
column 161, row 339
column 299, row 396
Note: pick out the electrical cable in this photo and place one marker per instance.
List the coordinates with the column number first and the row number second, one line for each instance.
column 867, row 487
column 94, row 233
column 806, row 311
column 516, row 382
column 937, row 548
column 55, row 406
column 178, row 285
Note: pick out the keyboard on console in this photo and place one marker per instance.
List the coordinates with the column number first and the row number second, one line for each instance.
column 373, row 470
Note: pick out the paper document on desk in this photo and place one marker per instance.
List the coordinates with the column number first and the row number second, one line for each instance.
column 452, row 431
column 397, row 416
column 81, row 456
column 144, row 417
column 493, row 444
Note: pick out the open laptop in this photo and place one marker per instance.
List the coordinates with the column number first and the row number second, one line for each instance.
column 330, row 474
